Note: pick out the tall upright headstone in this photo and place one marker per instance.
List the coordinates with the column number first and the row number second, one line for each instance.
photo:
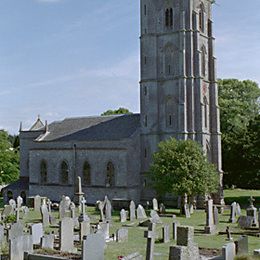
column 93, row 247
column 66, row 235
column 210, row 225
column 132, row 211
column 232, row 218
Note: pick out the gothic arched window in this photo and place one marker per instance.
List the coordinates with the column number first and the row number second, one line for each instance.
column 110, row 178
column 167, row 20
column 203, row 61
column 64, row 172
column 205, row 101
column 202, row 17
column 86, row 174
column 171, row 17
column 43, row 172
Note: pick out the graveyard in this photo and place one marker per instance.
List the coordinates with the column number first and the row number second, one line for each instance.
column 98, row 232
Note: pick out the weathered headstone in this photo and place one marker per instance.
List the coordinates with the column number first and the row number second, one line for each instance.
column 66, row 234
column 64, row 206
column 8, row 210
column 122, row 235
column 251, row 211
column 232, row 218
column 162, row 209
column 155, row 217
column 12, row 203
column 93, row 247
column 84, row 229
column 101, row 205
column 238, row 210
column 15, row 231
column 108, row 210
column 37, row 203
column 210, row 226
column 72, row 210
column 19, row 245
column 150, row 235
column 155, row 204
column 242, row 245
column 122, row 216
column 185, row 248
column 215, row 215
column 45, row 215
column 36, row 231
column 245, row 222
column 19, row 201
column 104, row 227
column 47, row 241
column 2, row 233
column 229, row 251
column 141, row 213
column 186, row 210
column 175, row 224
column 132, row 211
column 166, row 233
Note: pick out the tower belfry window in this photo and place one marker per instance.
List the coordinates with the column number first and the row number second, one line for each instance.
column 203, row 61
column 169, row 17
column 202, row 17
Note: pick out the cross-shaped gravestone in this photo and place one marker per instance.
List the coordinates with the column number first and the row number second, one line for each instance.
column 150, row 235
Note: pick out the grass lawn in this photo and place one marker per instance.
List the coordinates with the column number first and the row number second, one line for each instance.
column 137, row 242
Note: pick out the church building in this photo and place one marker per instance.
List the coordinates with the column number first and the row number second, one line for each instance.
column 112, row 154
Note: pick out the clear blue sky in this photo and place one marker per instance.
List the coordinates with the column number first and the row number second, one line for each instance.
column 63, row 58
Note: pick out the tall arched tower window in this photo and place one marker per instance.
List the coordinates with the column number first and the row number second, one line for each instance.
column 110, row 178
column 205, row 101
column 64, row 173
column 203, row 61
column 169, row 17
column 86, row 174
column 202, row 17
column 43, row 172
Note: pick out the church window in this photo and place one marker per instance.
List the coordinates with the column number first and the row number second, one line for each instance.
column 202, row 17
column 203, row 61
column 170, row 120
column 145, row 60
column 169, row 17
column 64, row 173
column 86, row 174
column 205, row 112
column 145, row 10
column 145, row 153
column 110, row 178
column 43, row 172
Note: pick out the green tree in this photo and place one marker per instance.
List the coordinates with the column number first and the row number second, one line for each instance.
column 9, row 160
column 119, row 111
column 239, row 110
column 180, row 167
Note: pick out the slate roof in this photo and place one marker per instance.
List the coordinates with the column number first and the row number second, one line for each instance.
column 99, row 128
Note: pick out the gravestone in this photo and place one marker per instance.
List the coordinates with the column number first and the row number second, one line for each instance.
column 251, row 211
column 215, row 215
column 141, row 213
column 155, row 204
column 19, row 245
column 83, row 216
column 2, row 233
column 19, row 201
column 8, row 210
column 47, row 241
column 45, row 215
column 72, row 210
column 12, row 203
column 66, row 234
column 257, row 252
column 166, row 233
column 232, row 218
column 104, row 227
column 108, row 210
column 37, row 203
column 185, row 248
column 175, row 224
column 93, row 247
column 238, row 210
column 132, row 211
column 150, row 235
column 122, row 235
column 122, row 216
column 210, row 226
column 36, row 230
column 15, row 231
column 186, row 210
column 155, row 217
column 64, row 206
column 245, row 222
column 242, row 245
column 162, row 209
column 84, row 229
column 229, row 251
column 101, row 206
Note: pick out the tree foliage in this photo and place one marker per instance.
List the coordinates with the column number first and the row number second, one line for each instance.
column 180, row 167
column 9, row 160
column 119, row 111
column 239, row 118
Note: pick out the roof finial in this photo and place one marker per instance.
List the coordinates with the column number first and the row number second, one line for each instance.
column 21, row 127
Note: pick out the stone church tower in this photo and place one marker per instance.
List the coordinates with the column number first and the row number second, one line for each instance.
column 178, row 88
